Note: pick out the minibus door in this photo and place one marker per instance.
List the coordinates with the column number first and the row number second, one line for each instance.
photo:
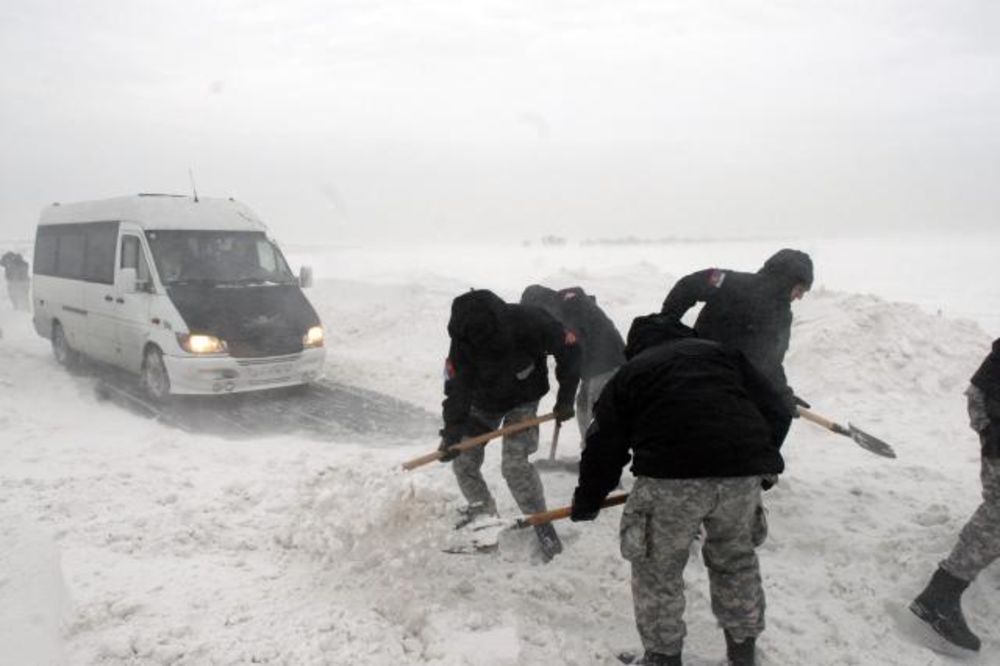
column 135, row 292
column 99, row 289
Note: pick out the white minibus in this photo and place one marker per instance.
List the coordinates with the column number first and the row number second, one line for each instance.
column 188, row 293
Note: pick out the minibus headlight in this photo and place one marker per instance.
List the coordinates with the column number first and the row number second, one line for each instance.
column 197, row 343
column 313, row 337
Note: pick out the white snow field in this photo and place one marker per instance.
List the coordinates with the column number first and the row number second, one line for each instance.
column 123, row 541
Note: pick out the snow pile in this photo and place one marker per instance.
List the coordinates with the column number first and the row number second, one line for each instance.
column 848, row 344
column 362, row 510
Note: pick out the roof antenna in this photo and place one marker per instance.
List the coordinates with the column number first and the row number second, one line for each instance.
column 193, row 188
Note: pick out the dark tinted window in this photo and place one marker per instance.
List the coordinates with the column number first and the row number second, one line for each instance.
column 69, row 255
column 100, row 254
column 77, row 251
column 45, row 254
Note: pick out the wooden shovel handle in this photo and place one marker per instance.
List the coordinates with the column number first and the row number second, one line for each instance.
column 478, row 440
column 558, row 514
column 823, row 421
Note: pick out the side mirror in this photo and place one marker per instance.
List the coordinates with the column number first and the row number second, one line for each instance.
column 306, row 277
column 126, row 280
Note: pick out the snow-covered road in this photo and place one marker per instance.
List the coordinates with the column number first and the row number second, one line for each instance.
column 126, row 541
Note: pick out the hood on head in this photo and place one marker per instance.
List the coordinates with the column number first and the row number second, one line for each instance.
column 793, row 265
column 476, row 316
column 540, row 296
column 654, row 329
column 996, row 346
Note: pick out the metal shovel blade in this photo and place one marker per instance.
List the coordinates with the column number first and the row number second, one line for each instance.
column 479, row 536
column 870, row 442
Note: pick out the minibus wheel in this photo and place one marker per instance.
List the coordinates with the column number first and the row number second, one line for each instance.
column 65, row 355
column 154, row 378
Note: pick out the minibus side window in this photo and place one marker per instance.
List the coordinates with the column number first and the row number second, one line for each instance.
column 45, row 252
column 134, row 257
column 69, row 256
column 100, row 257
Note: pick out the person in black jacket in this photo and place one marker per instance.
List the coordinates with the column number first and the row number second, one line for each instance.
column 601, row 344
column 751, row 312
column 495, row 374
column 15, row 270
column 978, row 545
column 703, row 426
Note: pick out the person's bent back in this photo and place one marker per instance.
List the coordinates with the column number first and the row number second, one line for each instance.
column 690, row 408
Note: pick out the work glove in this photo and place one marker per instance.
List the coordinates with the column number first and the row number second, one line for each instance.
column 579, row 511
column 449, row 438
column 794, row 402
column 564, row 411
column 990, row 439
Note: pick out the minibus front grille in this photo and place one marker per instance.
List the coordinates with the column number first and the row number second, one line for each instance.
column 272, row 345
column 249, row 363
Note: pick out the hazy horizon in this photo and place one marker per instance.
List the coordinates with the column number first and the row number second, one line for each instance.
column 504, row 120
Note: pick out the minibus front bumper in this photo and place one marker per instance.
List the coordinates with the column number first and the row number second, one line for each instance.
column 208, row 375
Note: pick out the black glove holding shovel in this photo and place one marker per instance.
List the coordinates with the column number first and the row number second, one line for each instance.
column 564, row 410
column 583, row 509
column 449, row 438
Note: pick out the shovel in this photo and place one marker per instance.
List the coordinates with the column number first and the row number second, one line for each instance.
column 550, row 463
column 861, row 438
column 485, row 537
column 478, row 440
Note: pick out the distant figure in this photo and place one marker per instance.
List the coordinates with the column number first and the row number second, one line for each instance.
column 702, row 426
column 940, row 604
column 495, row 374
column 601, row 343
column 15, row 270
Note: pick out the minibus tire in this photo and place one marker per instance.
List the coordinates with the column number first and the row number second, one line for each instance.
column 65, row 355
column 154, row 378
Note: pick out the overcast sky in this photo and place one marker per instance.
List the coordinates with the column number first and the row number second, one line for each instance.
column 356, row 119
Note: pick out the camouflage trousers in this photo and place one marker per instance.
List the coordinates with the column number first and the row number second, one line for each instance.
column 979, row 541
column 586, row 398
column 521, row 476
column 661, row 520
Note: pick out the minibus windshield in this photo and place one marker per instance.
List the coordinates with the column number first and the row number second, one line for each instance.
column 219, row 258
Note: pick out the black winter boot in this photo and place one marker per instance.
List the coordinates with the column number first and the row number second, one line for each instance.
column 742, row 653
column 549, row 540
column 940, row 605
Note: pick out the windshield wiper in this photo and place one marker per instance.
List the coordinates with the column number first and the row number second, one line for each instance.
column 189, row 281
column 261, row 281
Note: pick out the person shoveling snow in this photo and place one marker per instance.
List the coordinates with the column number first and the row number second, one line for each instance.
column 704, row 427
column 496, row 373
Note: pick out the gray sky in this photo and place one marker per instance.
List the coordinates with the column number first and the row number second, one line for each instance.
column 353, row 119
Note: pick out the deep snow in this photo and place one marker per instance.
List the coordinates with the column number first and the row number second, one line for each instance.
column 125, row 542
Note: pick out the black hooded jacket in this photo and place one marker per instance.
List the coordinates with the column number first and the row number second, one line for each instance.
column 686, row 408
column 600, row 342
column 15, row 267
column 987, row 380
column 497, row 359
column 751, row 312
